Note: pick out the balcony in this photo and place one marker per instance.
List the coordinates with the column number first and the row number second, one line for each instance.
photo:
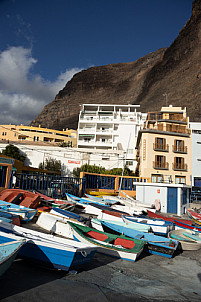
column 160, row 165
column 161, row 147
column 179, row 149
column 156, row 116
column 179, row 167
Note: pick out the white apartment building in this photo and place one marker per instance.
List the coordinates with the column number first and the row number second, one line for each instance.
column 196, row 153
column 110, row 127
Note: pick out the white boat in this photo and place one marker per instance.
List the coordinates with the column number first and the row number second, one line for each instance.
column 129, row 201
column 158, row 227
column 49, row 250
column 97, row 224
column 9, row 249
column 184, row 237
column 118, row 246
column 131, row 210
column 56, row 224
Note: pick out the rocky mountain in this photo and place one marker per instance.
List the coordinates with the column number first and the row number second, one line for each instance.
column 168, row 76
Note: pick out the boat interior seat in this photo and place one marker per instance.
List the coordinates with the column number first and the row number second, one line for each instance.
column 127, row 244
column 17, row 199
column 97, row 235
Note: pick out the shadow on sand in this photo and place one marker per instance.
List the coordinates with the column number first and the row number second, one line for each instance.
column 24, row 275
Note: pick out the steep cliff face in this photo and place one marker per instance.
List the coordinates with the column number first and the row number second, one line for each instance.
column 174, row 71
column 179, row 73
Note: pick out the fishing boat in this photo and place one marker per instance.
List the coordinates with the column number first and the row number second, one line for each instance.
column 8, row 252
column 172, row 218
column 126, row 204
column 187, row 243
column 101, row 210
column 56, row 224
column 131, row 210
column 49, row 250
column 13, row 217
column 158, row 227
column 195, row 216
column 47, row 203
column 118, row 246
column 180, row 225
column 25, row 214
column 84, row 201
column 67, row 214
column 97, row 224
column 156, row 244
column 20, row 197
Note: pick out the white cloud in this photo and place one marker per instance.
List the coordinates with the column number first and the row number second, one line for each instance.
column 22, row 95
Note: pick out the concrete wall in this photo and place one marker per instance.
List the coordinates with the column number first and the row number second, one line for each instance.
column 155, row 193
column 196, row 150
column 70, row 157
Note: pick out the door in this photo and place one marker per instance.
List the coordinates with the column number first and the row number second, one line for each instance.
column 172, row 200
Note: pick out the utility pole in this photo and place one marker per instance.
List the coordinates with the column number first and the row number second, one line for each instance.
column 166, row 98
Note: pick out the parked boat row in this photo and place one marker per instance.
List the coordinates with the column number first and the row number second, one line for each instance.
column 62, row 239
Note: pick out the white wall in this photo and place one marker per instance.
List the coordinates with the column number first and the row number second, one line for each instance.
column 196, row 150
column 70, row 157
column 151, row 193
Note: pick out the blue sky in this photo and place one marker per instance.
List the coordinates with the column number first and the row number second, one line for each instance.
column 44, row 42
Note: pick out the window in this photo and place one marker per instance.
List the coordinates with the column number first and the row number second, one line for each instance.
column 129, row 163
column 160, row 162
column 180, row 179
column 156, row 178
column 160, row 144
column 179, row 164
column 179, row 146
column 87, row 139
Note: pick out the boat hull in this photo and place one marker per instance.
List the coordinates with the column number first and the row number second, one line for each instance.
column 8, row 252
column 108, row 249
column 50, row 251
column 155, row 244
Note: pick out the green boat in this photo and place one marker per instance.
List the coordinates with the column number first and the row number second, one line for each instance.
column 118, row 246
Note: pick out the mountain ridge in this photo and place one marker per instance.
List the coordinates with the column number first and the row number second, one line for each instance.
column 170, row 75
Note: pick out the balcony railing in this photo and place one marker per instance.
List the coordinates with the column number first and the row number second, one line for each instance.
column 179, row 166
column 160, row 165
column 161, row 147
column 155, row 116
column 179, row 149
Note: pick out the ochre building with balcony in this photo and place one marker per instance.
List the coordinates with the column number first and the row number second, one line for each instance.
column 19, row 133
column 164, row 147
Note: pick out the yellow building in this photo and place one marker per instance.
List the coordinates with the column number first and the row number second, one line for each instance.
column 38, row 134
column 164, row 146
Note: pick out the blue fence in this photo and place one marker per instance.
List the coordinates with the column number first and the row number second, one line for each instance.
column 52, row 186
column 96, row 181
column 100, row 182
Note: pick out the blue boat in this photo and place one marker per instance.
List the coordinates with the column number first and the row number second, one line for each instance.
column 48, row 250
column 158, row 227
column 26, row 214
column 64, row 213
column 12, row 217
column 156, row 244
column 85, row 201
column 8, row 252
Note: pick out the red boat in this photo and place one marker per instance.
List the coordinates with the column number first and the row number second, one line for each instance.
column 168, row 218
column 47, row 203
column 195, row 216
column 187, row 226
column 20, row 197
